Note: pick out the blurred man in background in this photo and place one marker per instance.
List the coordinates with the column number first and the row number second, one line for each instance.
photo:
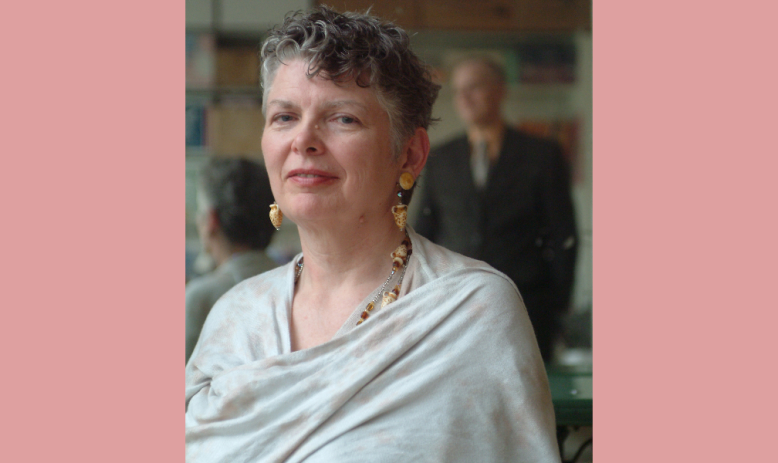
column 232, row 202
column 503, row 196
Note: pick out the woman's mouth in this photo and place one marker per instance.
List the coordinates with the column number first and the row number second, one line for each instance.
column 310, row 177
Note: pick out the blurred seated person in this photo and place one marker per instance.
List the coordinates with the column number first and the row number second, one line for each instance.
column 232, row 201
column 373, row 344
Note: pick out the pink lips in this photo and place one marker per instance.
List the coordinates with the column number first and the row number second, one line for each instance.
column 310, row 177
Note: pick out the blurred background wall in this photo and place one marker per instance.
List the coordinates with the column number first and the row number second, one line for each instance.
column 545, row 45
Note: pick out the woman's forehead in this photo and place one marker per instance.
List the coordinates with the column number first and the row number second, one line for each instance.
column 299, row 70
column 292, row 82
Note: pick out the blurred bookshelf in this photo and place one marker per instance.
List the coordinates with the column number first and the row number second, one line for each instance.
column 223, row 96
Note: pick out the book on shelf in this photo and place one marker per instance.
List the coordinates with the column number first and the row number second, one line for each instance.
column 200, row 60
column 196, row 128
column 546, row 63
column 235, row 127
column 237, row 67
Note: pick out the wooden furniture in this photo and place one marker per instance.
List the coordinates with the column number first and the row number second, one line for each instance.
column 481, row 15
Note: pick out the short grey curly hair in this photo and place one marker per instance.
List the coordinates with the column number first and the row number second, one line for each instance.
column 359, row 47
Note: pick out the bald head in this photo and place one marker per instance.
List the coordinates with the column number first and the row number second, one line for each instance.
column 479, row 89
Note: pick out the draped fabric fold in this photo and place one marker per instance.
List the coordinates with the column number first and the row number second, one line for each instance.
column 448, row 372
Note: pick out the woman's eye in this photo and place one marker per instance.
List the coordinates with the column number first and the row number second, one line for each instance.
column 347, row 119
column 283, row 118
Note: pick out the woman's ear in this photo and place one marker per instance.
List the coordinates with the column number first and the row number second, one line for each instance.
column 414, row 157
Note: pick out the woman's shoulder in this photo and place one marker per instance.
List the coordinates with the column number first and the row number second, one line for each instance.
column 436, row 262
column 472, row 299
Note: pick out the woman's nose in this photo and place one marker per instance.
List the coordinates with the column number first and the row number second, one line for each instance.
column 308, row 140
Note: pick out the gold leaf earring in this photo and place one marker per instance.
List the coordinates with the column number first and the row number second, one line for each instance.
column 276, row 216
column 400, row 211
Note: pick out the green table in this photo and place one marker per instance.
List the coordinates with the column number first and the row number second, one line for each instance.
column 571, row 393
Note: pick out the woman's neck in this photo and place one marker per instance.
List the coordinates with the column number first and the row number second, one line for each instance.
column 357, row 258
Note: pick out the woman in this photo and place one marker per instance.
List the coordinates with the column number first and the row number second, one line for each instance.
column 374, row 344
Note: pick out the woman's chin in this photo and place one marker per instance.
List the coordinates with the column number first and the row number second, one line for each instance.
column 303, row 214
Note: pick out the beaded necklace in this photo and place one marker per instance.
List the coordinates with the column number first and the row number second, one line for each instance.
column 400, row 258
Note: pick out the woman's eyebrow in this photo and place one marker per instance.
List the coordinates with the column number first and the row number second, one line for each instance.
column 283, row 104
column 329, row 105
column 344, row 103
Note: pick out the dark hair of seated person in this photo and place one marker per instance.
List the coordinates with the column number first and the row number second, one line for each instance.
column 239, row 191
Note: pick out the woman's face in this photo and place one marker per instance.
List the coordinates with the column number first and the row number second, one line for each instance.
column 327, row 149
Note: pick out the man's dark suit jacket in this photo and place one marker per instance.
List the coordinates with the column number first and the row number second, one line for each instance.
column 522, row 223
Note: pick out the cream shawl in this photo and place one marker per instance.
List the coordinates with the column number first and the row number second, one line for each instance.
column 448, row 372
